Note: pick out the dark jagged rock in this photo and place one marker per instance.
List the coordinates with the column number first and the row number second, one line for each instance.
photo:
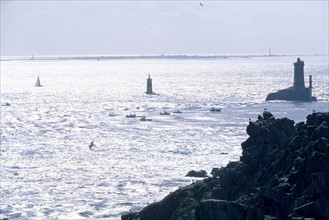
column 216, row 171
column 267, row 115
column 179, row 205
column 223, row 210
column 317, row 209
column 200, row 173
column 283, row 173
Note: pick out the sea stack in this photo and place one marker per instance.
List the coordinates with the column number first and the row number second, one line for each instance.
column 298, row 92
column 149, row 90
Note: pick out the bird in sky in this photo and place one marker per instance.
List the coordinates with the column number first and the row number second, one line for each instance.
column 91, row 145
column 201, row 4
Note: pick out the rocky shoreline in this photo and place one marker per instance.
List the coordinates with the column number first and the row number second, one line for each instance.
column 283, row 173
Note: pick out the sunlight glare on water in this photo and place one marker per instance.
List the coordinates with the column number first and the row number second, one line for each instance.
column 47, row 169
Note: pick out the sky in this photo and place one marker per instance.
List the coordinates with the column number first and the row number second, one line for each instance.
column 56, row 27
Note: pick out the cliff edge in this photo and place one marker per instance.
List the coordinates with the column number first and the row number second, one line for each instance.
column 283, row 173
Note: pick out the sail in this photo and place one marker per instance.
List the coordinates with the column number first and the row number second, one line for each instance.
column 37, row 83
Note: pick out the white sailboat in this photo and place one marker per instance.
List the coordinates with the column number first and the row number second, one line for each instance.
column 37, row 83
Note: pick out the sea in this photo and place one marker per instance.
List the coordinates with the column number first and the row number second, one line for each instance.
column 48, row 170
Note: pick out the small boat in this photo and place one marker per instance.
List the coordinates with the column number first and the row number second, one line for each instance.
column 164, row 113
column 213, row 109
column 131, row 116
column 37, row 83
column 178, row 112
column 145, row 119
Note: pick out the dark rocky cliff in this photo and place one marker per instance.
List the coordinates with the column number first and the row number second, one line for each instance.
column 283, row 173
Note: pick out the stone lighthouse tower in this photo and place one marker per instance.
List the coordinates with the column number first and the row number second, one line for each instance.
column 149, row 90
column 299, row 74
column 298, row 92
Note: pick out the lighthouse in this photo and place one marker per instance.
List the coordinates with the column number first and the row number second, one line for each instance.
column 149, row 90
column 299, row 74
column 298, row 92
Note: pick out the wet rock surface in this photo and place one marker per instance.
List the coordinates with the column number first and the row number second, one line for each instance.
column 283, row 173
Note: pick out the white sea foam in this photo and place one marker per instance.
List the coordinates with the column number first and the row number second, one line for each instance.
column 47, row 169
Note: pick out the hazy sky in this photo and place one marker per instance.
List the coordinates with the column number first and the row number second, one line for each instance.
column 168, row 27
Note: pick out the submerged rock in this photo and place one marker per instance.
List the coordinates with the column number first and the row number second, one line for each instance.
column 283, row 173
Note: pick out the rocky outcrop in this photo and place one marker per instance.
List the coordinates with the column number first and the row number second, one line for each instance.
column 200, row 173
column 283, row 173
column 223, row 210
column 291, row 94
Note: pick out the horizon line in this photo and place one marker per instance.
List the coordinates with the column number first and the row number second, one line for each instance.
column 145, row 56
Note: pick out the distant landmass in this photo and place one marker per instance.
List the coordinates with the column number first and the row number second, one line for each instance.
column 116, row 57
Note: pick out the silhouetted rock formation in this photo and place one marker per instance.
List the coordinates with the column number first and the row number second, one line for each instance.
column 200, row 173
column 283, row 173
column 298, row 92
